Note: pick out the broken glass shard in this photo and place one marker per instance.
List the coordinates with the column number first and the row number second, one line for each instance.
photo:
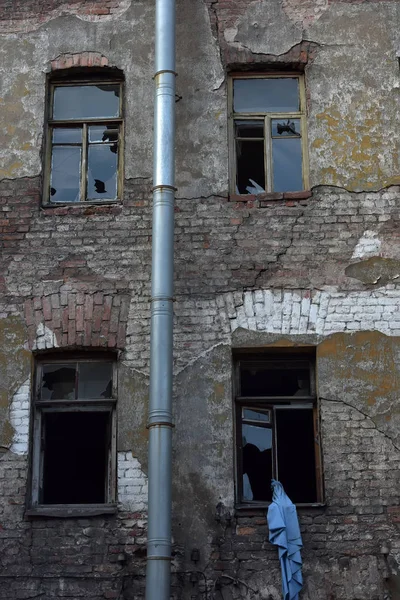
column 253, row 415
column 285, row 127
column 95, row 380
column 103, row 133
column 58, row 382
column 102, row 172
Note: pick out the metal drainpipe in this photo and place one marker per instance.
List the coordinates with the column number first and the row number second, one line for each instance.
column 160, row 409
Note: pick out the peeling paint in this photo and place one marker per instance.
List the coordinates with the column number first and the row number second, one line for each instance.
column 38, row 17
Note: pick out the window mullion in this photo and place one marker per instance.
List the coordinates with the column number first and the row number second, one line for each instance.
column 84, row 162
column 36, row 458
column 268, row 154
column 275, row 445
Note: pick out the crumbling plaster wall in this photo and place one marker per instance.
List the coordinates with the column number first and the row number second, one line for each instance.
column 320, row 271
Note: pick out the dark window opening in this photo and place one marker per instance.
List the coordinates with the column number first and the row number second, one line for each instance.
column 296, row 453
column 74, row 432
column 84, row 142
column 268, row 122
column 277, row 430
column 75, row 457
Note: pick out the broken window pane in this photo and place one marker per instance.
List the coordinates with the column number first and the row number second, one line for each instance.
column 266, row 95
column 274, row 381
column 285, row 127
column 103, row 133
column 250, row 164
column 296, row 453
column 95, row 380
column 249, row 129
column 58, row 382
column 287, row 165
column 86, row 101
column 75, row 457
column 65, row 174
column 102, row 172
column 257, row 462
column 67, row 135
column 253, row 415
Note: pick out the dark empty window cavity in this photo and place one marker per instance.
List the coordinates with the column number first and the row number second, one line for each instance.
column 75, row 457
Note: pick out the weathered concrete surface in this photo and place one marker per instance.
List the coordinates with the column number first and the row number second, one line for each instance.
column 352, row 83
column 203, row 450
column 363, row 370
column 15, row 366
column 258, row 275
column 375, row 271
column 23, row 88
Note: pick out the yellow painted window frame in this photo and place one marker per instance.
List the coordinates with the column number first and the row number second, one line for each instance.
column 267, row 116
column 52, row 124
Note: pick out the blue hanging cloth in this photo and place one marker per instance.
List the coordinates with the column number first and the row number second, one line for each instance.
column 284, row 532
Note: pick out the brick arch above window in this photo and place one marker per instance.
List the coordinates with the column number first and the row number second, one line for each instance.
column 76, row 319
column 78, row 60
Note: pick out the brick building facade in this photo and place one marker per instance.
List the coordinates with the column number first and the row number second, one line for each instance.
column 294, row 283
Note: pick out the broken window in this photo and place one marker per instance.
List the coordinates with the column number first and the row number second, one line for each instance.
column 268, row 131
column 73, row 458
column 84, row 161
column 277, row 429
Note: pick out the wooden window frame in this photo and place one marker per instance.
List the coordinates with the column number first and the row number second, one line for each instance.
column 267, row 117
column 41, row 407
column 273, row 403
column 52, row 124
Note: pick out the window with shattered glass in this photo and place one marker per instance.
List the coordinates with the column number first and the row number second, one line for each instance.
column 277, row 429
column 74, row 432
column 84, row 158
column 268, row 134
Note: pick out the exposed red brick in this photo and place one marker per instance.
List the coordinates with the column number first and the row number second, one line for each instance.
column 297, row 195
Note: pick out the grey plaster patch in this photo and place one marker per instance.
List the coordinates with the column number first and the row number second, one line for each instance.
column 201, row 135
column 266, row 29
column 132, row 413
column 202, row 448
column 127, row 43
column 35, row 21
column 375, row 271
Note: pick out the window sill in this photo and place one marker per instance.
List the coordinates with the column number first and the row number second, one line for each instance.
column 260, row 508
column 71, row 510
column 270, row 196
column 79, row 208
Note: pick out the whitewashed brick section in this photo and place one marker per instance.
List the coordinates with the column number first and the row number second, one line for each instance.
column 368, row 245
column 320, row 312
column 132, row 483
column 45, row 338
column 19, row 419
